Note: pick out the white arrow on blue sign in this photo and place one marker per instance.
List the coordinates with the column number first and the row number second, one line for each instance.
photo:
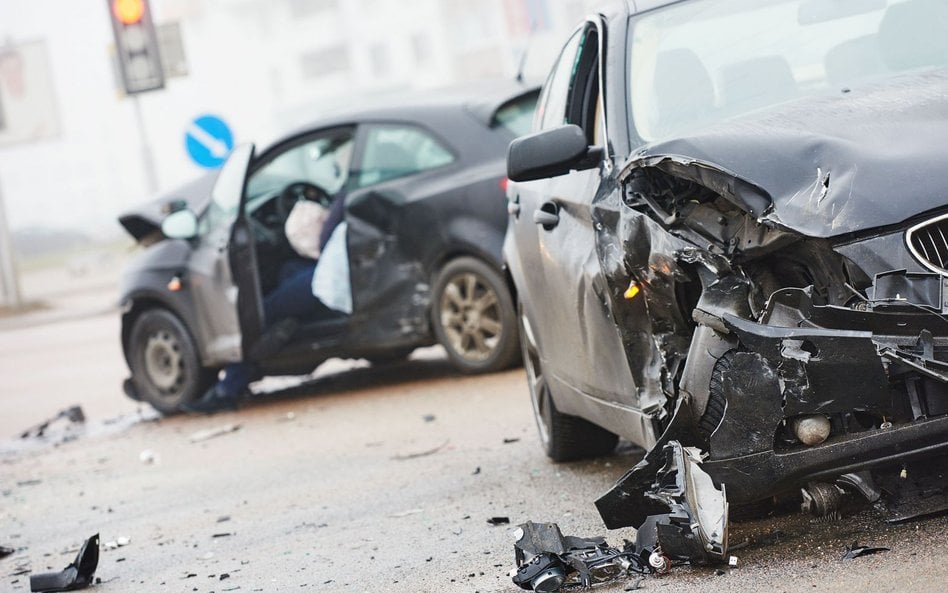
column 208, row 140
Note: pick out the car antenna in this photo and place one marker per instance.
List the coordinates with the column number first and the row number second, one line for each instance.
column 526, row 50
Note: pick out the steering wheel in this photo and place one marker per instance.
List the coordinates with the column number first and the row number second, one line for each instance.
column 301, row 190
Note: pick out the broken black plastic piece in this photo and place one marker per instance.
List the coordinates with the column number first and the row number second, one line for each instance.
column 72, row 415
column 5, row 551
column 855, row 551
column 77, row 575
column 547, row 560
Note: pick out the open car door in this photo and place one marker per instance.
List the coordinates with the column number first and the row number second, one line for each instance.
column 242, row 255
column 215, row 286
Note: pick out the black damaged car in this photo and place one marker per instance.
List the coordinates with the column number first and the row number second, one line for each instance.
column 729, row 242
column 423, row 184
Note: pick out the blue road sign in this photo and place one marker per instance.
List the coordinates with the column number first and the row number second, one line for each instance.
column 209, row 141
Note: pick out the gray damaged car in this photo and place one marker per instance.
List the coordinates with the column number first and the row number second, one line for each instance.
column 729, row 242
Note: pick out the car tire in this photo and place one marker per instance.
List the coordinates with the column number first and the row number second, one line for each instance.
column 163, row 358
column 717, row 400
column 563, row 437
column 473, row 316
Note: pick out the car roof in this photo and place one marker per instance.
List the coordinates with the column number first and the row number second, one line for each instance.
column 481, row 100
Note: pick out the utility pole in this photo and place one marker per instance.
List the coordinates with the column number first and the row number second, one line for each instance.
column 9, row 278
column 151, row 176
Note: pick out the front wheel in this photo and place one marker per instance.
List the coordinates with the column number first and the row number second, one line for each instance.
column 166, row 368
column 563, row 437
column 473, row 316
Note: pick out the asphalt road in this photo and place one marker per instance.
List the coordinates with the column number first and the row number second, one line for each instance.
column 362, row 479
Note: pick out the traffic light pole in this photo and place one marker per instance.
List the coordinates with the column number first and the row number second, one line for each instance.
column 9, row 280
column 148, row 158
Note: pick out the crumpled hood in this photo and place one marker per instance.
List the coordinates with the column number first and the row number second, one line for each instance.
column 145, row 220
column 871, row 157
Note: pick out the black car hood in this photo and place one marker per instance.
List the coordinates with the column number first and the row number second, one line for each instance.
column 145, row 221
column 866, row 158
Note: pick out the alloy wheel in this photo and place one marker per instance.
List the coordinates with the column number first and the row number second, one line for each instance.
column 471, row 316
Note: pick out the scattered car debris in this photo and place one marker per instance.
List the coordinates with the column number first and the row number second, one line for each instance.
column 5, row 551
column 510, row 440
column 855, row 551
column 477, row 470
column 70, row 416
column 117, row 543
column 222, row 534
column 210, row 433
column 424, row 453
column 148, row 457
column 499, row 520
column 78, row 575
column 428, row 418
column 547, row 560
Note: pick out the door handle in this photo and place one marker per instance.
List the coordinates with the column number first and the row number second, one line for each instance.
column 547, row 215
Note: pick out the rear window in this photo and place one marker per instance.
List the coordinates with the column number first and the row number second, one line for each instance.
column 517, row 114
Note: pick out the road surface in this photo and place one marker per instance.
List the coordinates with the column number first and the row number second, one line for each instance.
column 362, row 479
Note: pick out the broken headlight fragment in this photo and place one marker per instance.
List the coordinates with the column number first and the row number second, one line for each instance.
column 695, row 527
column 547, row 560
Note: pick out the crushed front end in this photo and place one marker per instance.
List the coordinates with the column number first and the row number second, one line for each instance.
column 806, row 360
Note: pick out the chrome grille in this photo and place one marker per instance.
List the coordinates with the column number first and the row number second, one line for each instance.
column 928, row 242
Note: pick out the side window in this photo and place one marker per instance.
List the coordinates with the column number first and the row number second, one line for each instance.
column 393, row 151
column 552, row 106
column 323, row 160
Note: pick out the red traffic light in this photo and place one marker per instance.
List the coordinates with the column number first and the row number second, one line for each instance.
column 128, row 12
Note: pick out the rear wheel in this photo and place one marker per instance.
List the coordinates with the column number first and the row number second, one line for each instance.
column 166, row 369
column 474, row 317
column 563, row 437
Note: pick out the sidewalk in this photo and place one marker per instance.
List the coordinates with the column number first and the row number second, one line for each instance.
column 57, row 294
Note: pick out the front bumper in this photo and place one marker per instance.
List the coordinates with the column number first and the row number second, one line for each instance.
column 879, row 376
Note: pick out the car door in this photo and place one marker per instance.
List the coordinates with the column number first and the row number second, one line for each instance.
column 318, row 160
column 566, row 299
column 210, row 274
column 393, row 162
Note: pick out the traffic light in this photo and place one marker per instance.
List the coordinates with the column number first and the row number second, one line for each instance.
column 136, row 45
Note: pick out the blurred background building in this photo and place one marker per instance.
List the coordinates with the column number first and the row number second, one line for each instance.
column 70, row 142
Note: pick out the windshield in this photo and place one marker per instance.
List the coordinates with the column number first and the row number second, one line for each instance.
column 702, row 62
column 517, row 115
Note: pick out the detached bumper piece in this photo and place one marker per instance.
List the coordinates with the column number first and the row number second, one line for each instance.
column 77, row 575
column 695, row 527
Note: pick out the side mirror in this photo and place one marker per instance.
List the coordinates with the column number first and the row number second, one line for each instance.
column 182, row 224
column 551, row 153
